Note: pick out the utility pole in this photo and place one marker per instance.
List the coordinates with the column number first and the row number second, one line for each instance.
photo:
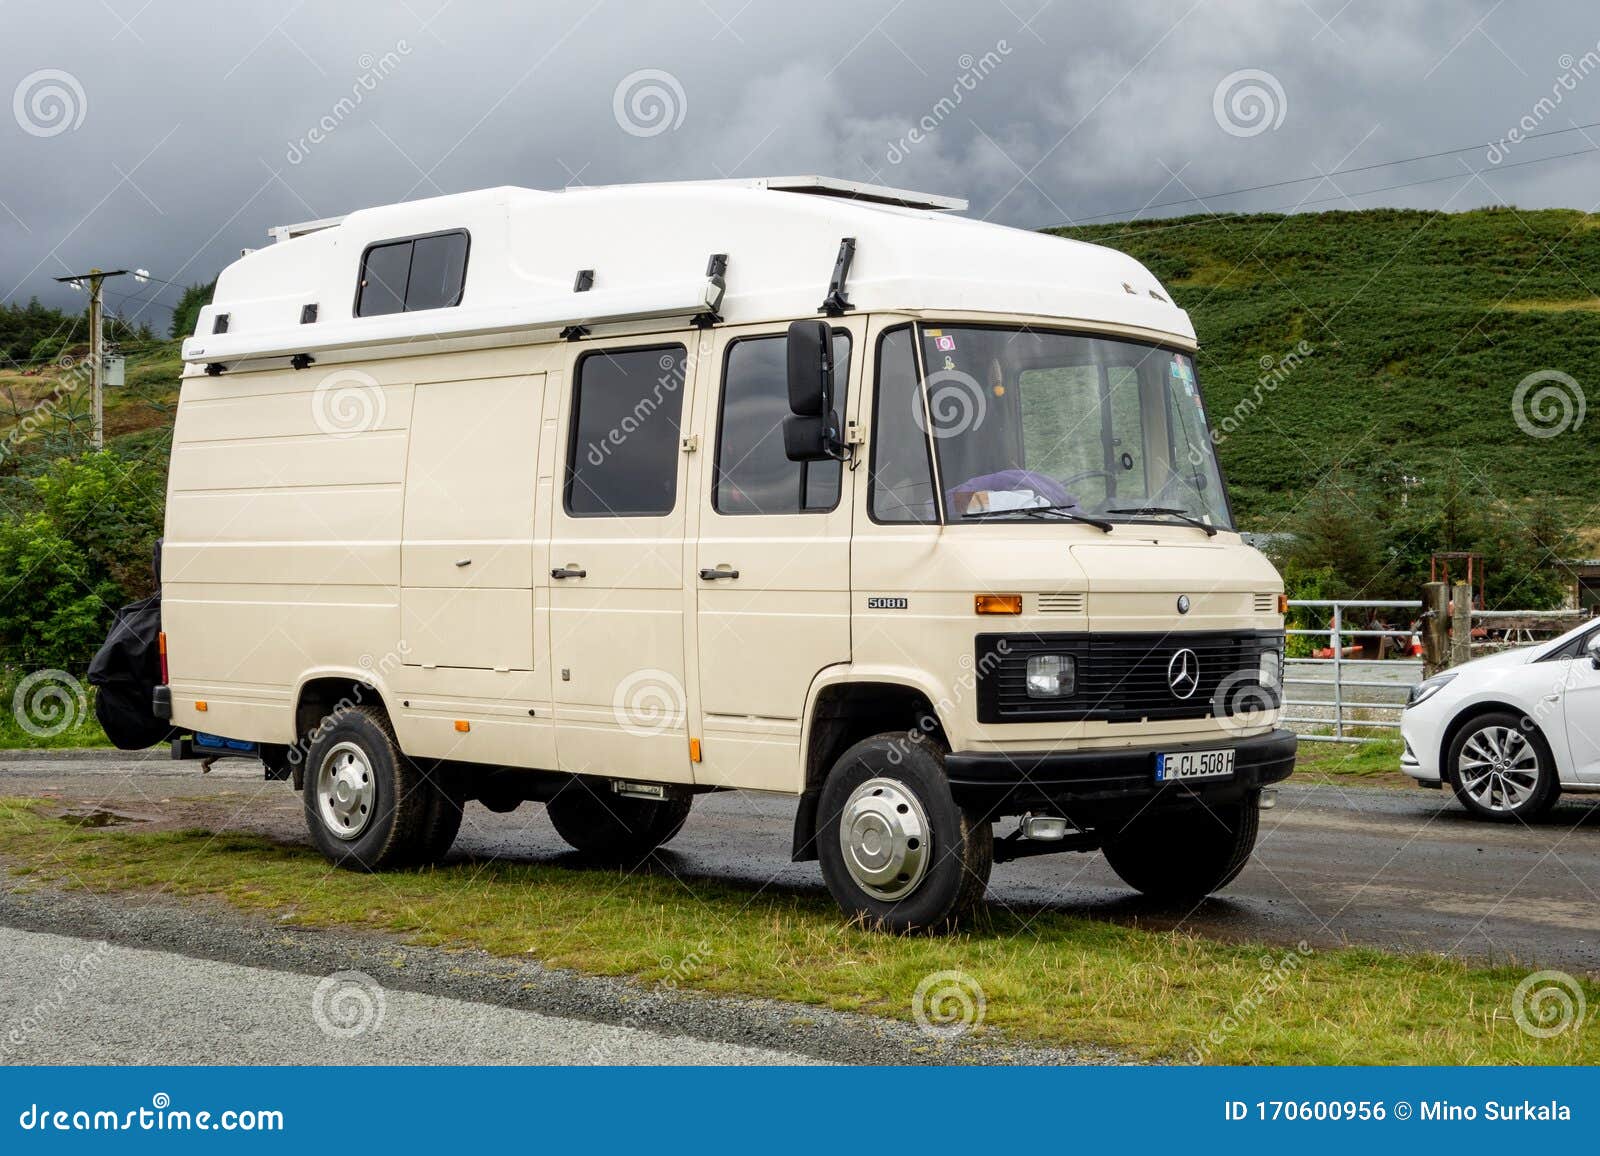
column 97, row 342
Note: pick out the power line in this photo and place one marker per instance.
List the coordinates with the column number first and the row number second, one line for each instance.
column 1351, row 196
column 1339, row 173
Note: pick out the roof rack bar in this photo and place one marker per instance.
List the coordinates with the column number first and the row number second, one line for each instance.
column 290, row 232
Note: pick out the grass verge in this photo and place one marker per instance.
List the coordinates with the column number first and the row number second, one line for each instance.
column 1044, row 977
column 1374, row 764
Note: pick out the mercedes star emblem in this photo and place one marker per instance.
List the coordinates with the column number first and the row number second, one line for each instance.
column 1183, row 604
column 1183, row 673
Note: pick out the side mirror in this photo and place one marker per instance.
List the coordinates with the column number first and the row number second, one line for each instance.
column 1593, row 649
column 811, row 431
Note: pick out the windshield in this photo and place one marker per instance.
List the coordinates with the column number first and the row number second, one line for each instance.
column 1099, row 426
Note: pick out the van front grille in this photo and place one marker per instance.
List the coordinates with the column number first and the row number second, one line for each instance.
column 1061, row 603
column 1123, row 677
column 1266, row 603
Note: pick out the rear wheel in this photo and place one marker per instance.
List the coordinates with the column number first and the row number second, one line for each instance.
column 1181, row 856
column 367, row 805
column 1501, row 769
column 593, row 819
column 897, row 850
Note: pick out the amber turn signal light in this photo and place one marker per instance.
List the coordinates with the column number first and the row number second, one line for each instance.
column 997, row 603
column 463, row 725
column 1283, row 604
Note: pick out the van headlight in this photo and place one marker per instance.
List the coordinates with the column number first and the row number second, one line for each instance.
column 1270, row 674
column 1427, row 688
column 1052, row 676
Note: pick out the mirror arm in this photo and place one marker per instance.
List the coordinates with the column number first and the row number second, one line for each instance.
column 836, row 303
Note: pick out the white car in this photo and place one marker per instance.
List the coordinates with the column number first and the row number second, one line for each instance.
column 1511, row 731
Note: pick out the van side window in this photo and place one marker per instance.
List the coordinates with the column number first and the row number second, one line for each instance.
column 416, row 273
column 622, row 457
column 902, row 477
column 753, row 475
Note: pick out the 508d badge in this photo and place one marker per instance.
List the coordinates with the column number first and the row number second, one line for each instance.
column 881, row 603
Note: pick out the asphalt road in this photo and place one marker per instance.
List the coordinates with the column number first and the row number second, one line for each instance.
column 1399, row 869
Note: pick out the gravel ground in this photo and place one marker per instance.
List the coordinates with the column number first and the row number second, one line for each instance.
column 198, row 983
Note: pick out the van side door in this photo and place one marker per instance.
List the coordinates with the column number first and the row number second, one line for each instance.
column 617, row 584
column 771, row 562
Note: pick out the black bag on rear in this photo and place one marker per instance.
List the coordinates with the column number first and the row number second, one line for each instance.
column 127, row 670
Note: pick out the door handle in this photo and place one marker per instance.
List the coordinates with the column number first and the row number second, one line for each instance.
column 463, row 561
column 711, row 575
column 568, row 572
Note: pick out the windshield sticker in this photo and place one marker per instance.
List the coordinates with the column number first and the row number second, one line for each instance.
column 944, row 344
column 949, row 362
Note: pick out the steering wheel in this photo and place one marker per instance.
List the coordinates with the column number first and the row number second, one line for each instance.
column 1075, row 478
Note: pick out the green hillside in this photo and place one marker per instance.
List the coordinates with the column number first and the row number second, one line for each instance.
column 1419, row 327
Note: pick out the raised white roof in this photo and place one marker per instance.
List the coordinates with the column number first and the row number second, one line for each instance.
column 649, row 247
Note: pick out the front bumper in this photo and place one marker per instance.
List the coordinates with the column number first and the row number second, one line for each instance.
column 1080, row 784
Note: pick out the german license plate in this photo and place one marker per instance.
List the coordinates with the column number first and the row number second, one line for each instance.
column 1194, row 765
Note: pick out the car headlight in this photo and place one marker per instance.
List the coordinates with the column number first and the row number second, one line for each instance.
column 1427, row 688
column 1052, row 676
column 1270, row 674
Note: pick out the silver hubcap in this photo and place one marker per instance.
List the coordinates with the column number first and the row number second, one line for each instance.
column 346, row 793
column 1498, row 768
column 884, row 836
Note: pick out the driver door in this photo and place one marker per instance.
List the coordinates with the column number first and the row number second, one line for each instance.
column 1581, row 707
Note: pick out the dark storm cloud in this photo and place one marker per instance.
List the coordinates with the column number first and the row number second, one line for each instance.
column 169, row 135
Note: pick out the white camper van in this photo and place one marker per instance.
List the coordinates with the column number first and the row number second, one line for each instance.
column 608, row 498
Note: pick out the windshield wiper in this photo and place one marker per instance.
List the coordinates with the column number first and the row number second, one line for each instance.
column 1211, row 531
column 1065, row 512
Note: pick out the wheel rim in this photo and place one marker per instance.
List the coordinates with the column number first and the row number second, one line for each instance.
column 1498, row 768
column 346, row 791
column 885, row 839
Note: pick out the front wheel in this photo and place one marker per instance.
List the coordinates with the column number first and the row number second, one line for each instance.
column 1181, row 856
column 897, row 850
column 1501, row 768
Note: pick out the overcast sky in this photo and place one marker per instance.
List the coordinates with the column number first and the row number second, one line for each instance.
column 169, row 134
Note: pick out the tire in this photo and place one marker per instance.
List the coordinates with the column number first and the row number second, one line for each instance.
column 380, row 818
column 443, row 823
column 593, row 819
column 1524, row 789
column 897, row 851
column 1181, row 856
